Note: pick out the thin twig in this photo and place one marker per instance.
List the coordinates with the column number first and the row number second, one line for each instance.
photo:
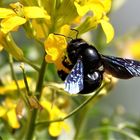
column 75, row 110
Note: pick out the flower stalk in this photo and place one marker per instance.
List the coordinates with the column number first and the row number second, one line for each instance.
column 33, row 115
column 76, row 110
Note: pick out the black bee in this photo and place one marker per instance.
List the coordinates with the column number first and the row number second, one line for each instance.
column 87, row 66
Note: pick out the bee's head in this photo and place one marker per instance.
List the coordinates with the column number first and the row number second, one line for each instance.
column 74, row 49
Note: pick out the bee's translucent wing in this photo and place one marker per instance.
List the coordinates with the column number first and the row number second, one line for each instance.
column 74, row 81
column 120, row 67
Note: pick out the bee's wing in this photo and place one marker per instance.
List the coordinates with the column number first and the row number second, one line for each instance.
column 74, row 81
column 121, row 68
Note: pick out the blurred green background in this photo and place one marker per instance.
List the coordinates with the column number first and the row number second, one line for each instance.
column 126, row 92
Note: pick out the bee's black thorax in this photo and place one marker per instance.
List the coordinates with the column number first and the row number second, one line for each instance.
column 78, row 49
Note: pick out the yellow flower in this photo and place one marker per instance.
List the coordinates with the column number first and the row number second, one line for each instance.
column 12, row 86
column 56, row 128
column 99, row 10
column 135, row 49
column 55, row 46
column 8, row 112
column 18, row 15
column 130, row 48
column 98, row 7
column 10, row 46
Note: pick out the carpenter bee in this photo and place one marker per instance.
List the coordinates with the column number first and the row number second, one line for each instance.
column 87, row 66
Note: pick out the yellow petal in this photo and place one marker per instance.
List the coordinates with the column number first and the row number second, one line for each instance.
column 2, row 111
column 39, row 31
column 12, row 119
column 12, row 86
column 52, row 55
column 97, row 9
column 65, row 30
column 82, row 10
column 35, row 12
column 1, row 47
column 54, row 111
column 9, row 103
column 108, row 30
column 4, row 12
column 54, row 46
column 10, row 23
column 55, row 129
column 107, row 5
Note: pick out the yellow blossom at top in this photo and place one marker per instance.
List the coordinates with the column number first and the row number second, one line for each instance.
column 99, row 9
column 54, row 46
column 18, row 15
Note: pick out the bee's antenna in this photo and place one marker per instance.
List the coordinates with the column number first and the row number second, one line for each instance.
column 77, row 32
column 63, row 35
column 76, row 36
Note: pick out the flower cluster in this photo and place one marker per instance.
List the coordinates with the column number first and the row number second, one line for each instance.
column 48, row 23
column 83, row 16
column 35, row 103
column 19, row 15
column 51, row 18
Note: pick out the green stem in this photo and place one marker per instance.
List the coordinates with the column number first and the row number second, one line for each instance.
column 115, row 129
column 41, row 78
column 99, row 39
column 31, row 64
column 15, row 78
column 13, row 73
column 131, row 126
column 16, row 82
column 75, row 110
column 31, row 126
column 25, row 80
